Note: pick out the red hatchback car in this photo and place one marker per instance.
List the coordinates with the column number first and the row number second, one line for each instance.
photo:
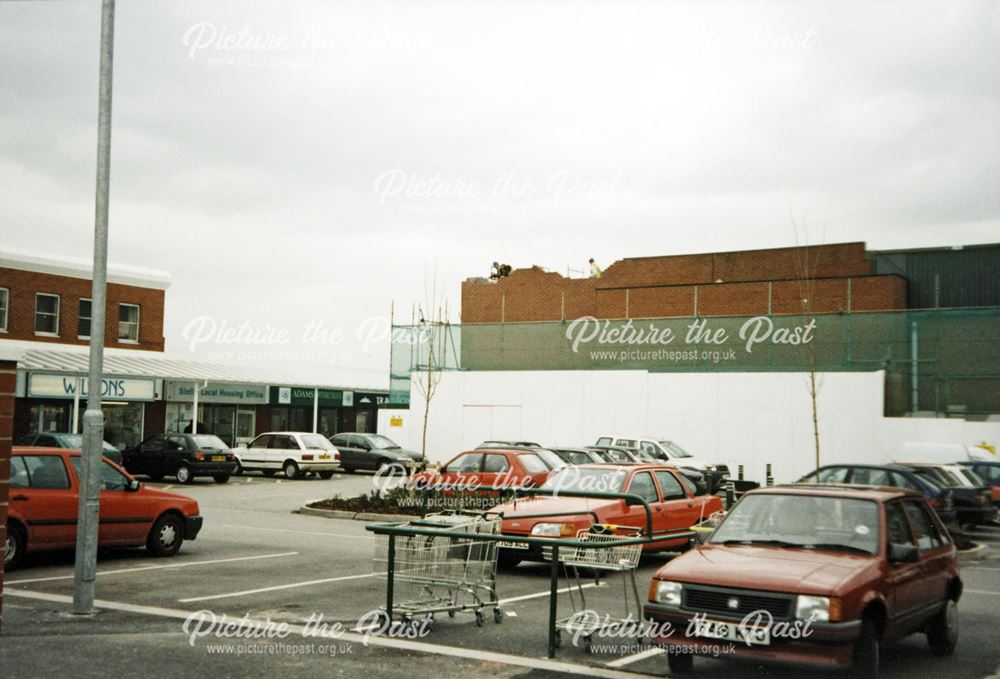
column 490, row 467
column 811, row 575
column 42, row 513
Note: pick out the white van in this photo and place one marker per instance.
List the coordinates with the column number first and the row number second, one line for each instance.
column 941, row 453
column 663, row 449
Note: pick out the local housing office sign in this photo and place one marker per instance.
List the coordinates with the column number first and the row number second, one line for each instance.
column 112, row 388
column 245, row 394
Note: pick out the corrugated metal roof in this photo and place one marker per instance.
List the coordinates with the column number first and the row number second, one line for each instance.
column 124, row 363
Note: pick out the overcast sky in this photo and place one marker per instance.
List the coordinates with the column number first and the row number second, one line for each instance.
column 294, row 163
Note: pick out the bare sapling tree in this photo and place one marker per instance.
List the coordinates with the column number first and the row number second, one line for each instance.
column 805, row 259
column 432, row 334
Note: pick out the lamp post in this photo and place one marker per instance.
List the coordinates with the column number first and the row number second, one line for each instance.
column 85, row 571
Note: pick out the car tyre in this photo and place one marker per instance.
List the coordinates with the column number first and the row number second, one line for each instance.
column 326, row 474
column 220, row 478
column 183, row 474
column 942, row 631
column 291, row 470
column 680, row 663
column 166, row 537
column 866, row 651
column 14, row 547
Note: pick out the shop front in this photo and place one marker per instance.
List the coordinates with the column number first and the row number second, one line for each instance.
column 331, row 410
column 55, row 403
column 227, row 410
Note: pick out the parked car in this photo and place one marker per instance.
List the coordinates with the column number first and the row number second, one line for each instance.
column 579, row 456
column 853, row 566
column 614, row 455
column 181, row 456
column 675, row 501
column 44, row 497
column 665, row 450
column 372, row 452
column 502, row 468
column 509, row 444
column 989, row 472
column 973, row 498
column 292, row 452
column 938, row 497
column 63, row 440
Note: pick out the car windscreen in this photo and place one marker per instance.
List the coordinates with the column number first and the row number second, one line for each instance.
column 533, row 464
column 586, row 479
column 382, row 442
column 675, row 450
column 551, row 460
column 807, row 521
column 209, row 441
column 316, row 441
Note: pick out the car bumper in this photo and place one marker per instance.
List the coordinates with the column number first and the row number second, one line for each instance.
column 192, row 526
column 319, row 465
column 828, row 645
column 210, row 468
column 981, row 515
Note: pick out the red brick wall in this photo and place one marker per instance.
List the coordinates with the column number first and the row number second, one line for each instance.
column 21, row 314
column 728, row 284
column 8, row 377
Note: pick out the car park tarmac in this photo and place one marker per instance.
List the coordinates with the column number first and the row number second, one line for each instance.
column 257, row 560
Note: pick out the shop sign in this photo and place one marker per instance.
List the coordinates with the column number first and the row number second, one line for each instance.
column 112, row 388
column 395, row 421
column 304, row 396
column 243, row 394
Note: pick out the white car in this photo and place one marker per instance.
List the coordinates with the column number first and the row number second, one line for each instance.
column 666, row 450
column 293, row 452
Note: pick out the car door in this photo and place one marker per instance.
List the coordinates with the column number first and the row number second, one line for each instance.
column 256, row 452
column 679, row 509
column 936, row 557
column 497, row 471
column 348, row 455
column 174, row 452
column 48, row 501
column 138, row 460
column 363, row 453
column 643, row 485
column 903, row 580
column 466, row 469
column 125, row 516
column 283, row 447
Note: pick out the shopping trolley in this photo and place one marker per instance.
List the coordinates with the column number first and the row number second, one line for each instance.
column 617, row 558
column 442, row 573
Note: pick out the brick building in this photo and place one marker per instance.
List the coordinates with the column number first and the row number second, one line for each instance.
column 832, row 278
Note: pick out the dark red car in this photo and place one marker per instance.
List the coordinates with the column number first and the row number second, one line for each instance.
column 43, row 508
column 814, row 576
column 497, row 468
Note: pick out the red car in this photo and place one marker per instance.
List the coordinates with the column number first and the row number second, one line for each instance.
column 816, row 576
column 42, row 512
column 490, row 467
column 674, row 500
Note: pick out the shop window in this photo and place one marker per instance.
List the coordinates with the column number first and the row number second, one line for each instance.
column 128, row 322
column 83, row 320
column 46, row 314
column 4, row 305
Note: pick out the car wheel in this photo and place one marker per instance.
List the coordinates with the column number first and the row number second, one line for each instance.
column 13, row 547
column 291, row 470
column 166, row 536
column 221, row 478
column 942, row 631
column 183, row 474
column 326, row 474
column 866, row 651
column 680, row 663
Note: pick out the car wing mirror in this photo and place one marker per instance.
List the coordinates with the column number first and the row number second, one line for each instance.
column 903, row 553
column 134, row 485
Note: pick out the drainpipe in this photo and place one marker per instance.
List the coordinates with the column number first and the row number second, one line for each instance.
column 315, row 409
column 914, row 372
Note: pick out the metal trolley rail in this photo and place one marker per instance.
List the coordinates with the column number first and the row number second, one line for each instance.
column 449, row 572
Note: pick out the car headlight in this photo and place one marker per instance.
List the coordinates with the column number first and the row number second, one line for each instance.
column 553, row 530
column 816, row 608
column 668, row 592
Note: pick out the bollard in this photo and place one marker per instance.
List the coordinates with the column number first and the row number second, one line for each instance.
column 741, row 473
column 767, row 474
column 730, row 494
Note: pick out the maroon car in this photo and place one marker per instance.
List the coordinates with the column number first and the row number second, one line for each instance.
column 811, row 575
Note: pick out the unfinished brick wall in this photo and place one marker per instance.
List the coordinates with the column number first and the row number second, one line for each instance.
column 716, row 284
column 8, row 378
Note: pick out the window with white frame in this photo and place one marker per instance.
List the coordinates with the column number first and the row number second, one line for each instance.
column 83, row 320
column 128, row 322
column 46, row 314
column 4, row 306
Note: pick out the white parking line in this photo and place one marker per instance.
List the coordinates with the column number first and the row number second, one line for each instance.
column 546, row 593
column 476, row 654
column 297, row 532
column 290, row 585
column 137, row 569
column 636, row 657
column 979, row 568
column 979, row 591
